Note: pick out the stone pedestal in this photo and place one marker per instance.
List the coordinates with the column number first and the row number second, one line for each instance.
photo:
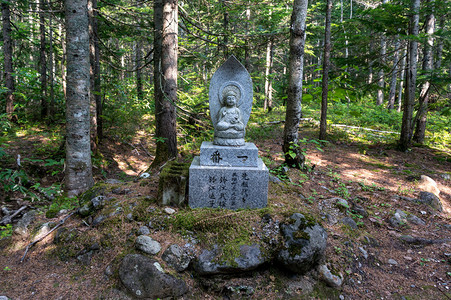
column 228, row 177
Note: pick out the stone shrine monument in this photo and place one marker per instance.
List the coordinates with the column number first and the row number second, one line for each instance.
column 228, row 173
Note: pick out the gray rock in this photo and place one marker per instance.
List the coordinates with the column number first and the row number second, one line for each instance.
column 428, row 184
column 342, row 203
column 22, row 226
column 445, row 176
column 431, row 200
column 359, row 210
column 274, row 179
column 330, row 279
column 350, row 222
column 85, row 258
column 143, row 230
column 364, row 252
column 147, row 245
column 393, row 262
column 305, row 243
column 415, row 220
column 129, row 216
column 113, row 181
column 250, row 258
column 144, row 278
column 95, row 204
column 41, row 232
column 176, row 257
column 4, row 298
column 98, row 220
column 109, row 271
column 169, row 211
column 398, row 219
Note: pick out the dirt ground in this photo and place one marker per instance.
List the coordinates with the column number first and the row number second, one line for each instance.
column 374, row 260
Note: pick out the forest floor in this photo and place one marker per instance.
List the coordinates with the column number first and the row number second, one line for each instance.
column 374, row 260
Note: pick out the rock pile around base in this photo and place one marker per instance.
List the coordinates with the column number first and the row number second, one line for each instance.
column 144, row 278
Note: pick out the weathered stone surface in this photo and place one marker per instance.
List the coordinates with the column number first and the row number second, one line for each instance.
column 427, row 184
column 144, row 278
column 398, row 219
column 22, row 226
column 176, row 257
column 305, row 243
column 415, row 220
column 94, row 204
column 250, row 258
column 329, row 278
column 350, row 222
column 231, row 77
column 143, row 230
column 228, row 156
column 173, row 183
column 228, row 187
column 147, row 245
column 430, row 199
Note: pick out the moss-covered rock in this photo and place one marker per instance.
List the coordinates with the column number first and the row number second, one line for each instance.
column 172, row 187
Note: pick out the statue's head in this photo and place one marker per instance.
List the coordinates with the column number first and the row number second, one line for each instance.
column 231, row 94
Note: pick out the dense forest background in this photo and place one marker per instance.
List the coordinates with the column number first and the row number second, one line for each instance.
column 369, row 49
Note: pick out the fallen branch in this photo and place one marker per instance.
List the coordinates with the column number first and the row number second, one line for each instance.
column 8, row 219
column 44, row 236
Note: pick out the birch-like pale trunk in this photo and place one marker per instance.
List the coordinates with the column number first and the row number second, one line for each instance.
column 405, row 139
column 267, row 105
column 293, row 155
column 78, row 147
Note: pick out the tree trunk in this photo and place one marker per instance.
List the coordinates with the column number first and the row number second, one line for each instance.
column 78, row 150
column 325, row 81
column 51, row 72
column 267, row 105
column 165, row 79
column 139, row 81
column 293, row 155
column 394, row 75
column 411, row 79
column 42, row 60
column 92, row 6
column 380, row 75
column 428, row 65
column 8, row 61
column 402, row 74
column 63, row 61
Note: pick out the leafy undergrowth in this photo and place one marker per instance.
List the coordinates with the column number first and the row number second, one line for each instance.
column 370, row 175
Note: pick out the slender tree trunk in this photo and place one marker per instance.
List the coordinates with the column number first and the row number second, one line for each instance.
column 267, row 105
column 139, row 80
column 51, row 72
column 247, row 50
column 8, row 61
column 394, row 75
column 325, row 81
column 42, row 60
column 165, row 79
column 92, row 75
column 78, row 148
column 380, row 75
column 402, row 74
column 439, row 49
column 293, row 155
column 370, row 63
column 63, row 61
column 411, row 80
column 428, row 65
column 225, row 28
